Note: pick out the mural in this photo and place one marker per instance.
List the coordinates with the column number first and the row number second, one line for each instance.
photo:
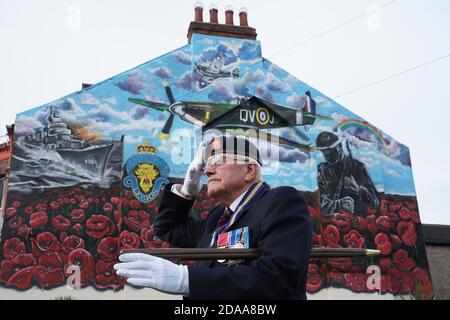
column 87, row 170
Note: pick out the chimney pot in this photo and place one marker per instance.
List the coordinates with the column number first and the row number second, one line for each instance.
column 229, row 15
column 198, row 12
column 243, row 16
column 213, row 13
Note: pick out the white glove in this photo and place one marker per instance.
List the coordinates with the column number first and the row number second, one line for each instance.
column 148, row 271
column 192, row 185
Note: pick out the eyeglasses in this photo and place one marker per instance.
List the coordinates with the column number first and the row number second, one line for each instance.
column 217, row 160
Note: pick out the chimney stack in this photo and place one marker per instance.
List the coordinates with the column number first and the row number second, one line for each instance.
column 198, row 12
column 213, row 12
column 214, row 28
column 243, row 17
column 229, row 15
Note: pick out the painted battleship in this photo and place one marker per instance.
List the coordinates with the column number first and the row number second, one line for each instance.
column 92, row 156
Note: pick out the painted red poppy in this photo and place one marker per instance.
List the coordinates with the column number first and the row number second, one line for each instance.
column 13, row 247
column 18, row 272
column 108, row 207
column 423, row 287
column 135, row 204
column 38, row 219
column 407, row 232
column 343, row 221
column 115, row 201
column 137, row 220
column 84, row 204
column 129, row 240
column 341, row 264
column 356, row 281
column 10, row 212
column 16, row 204
column 354, row 239
column 60, row 223
column 402, row 261
column 15, row 222
column 24, row 231
column 83, row 261
column 383, row 223
column 98, row 226
column 383, row 244
column 106, row 277
column 44, row 242
column 331, row 235
column 77, row 215
column 317, row 240
column 49, row 271
column 314, row 283
column 371, row 224
column 71, row 243
column 405, row 213
column 108, row 249
column 55, row 205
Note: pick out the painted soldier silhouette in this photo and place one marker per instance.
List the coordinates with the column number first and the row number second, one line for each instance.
column 344, row 183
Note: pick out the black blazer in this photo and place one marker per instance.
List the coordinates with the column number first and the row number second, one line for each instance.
column 280, row 226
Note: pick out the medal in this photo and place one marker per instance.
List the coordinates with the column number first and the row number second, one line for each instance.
column 238, row 238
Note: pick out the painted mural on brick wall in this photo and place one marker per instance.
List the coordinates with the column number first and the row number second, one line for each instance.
column 87, row 170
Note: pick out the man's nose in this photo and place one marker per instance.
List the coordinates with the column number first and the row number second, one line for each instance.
column 209, row 171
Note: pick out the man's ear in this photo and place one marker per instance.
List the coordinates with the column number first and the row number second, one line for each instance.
column 251, row 172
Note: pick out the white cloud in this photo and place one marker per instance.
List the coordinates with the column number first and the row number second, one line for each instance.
column 87, row 98
column 206, row 41
column 133, row 139
column 183, row 57
column 75, row 113
column 323, row 102
column 369, row 160
column 111, row 100
column 273, row 83
column 391, row 172
column 104, row 108
column 254, row 76
column 338, row 117
column 25, row 125
column 296, row 100
column 291, row 78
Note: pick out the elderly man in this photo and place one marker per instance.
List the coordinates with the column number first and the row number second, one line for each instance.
column 250, row 215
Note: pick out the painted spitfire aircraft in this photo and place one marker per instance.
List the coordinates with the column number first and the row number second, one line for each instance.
column 252, row 117
column 214, row 71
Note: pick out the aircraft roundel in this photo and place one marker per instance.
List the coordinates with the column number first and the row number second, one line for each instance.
column 262, row 116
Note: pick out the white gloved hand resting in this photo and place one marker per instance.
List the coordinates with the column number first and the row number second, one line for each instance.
column 148, row 271
column 192, row 185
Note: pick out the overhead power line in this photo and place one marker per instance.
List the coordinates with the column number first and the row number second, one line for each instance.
column 332, row 29
column 392, row 76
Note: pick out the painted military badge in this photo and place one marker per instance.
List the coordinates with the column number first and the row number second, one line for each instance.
column 146, row 173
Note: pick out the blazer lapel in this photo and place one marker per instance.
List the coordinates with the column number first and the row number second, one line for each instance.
column 265, row 189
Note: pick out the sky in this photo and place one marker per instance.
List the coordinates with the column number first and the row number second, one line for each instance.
column 49, row 48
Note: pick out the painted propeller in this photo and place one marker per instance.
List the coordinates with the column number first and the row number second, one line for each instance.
column 169, row 122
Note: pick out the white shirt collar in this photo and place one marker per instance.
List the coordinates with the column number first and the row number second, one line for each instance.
column 235, row 203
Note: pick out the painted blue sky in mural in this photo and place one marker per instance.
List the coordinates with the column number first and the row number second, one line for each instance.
column 104, row 111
